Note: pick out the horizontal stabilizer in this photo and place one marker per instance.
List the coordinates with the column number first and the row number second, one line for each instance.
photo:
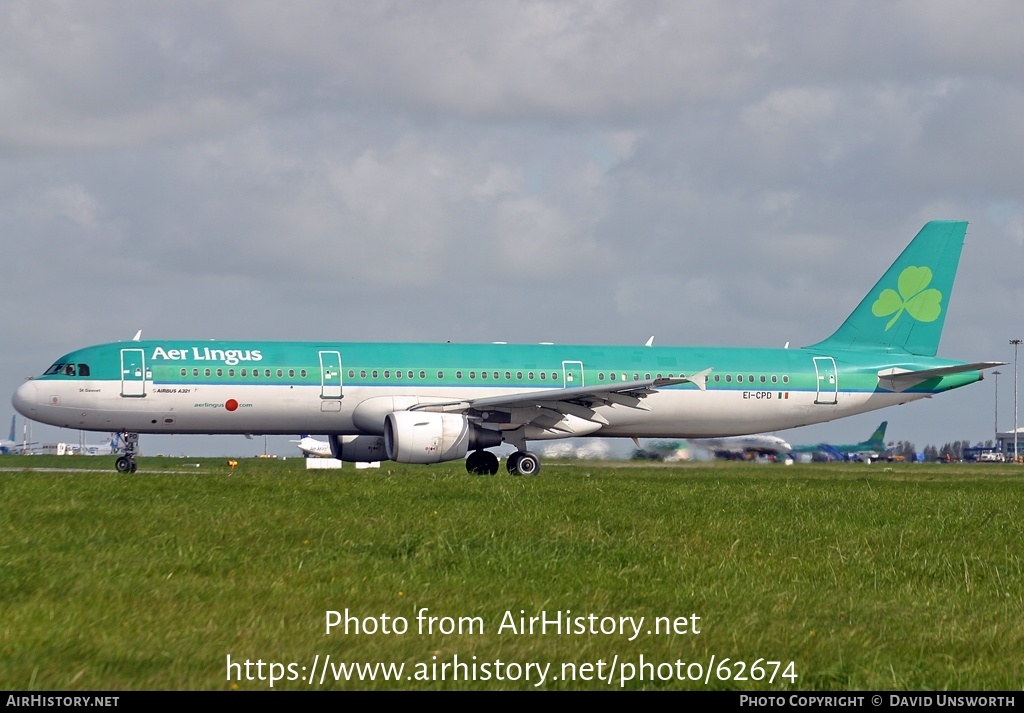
column 897, row 379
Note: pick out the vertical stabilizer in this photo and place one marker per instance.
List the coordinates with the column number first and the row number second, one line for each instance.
column 905, row 311
column 877, row 440
column 11, row 437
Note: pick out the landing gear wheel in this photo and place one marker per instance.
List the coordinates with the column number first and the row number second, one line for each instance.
column 482, row 463
column 523, row 463
column 130, row 445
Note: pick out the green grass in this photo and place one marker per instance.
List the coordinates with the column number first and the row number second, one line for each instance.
column 864, row 577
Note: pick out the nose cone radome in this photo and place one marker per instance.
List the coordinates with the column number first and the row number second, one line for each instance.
column 24, row 399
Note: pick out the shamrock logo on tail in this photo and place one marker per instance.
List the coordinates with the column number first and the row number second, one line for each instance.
column 914, row 297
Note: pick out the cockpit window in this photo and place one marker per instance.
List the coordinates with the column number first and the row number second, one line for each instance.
column 68, row 369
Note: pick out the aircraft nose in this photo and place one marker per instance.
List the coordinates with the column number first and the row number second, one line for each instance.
column 25, row 399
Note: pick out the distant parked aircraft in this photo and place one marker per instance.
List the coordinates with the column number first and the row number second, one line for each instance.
column 871, row 449
column 9, row 446
column 312, row 448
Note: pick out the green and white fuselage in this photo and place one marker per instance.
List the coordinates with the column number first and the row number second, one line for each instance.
column 426, row 403
column 289, row 387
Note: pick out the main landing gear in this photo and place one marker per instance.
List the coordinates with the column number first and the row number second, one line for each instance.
column 523, row 463
column 126, row 463
column 482, row 463
column 519, row 463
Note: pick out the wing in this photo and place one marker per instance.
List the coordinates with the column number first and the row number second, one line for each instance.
column 547, row 409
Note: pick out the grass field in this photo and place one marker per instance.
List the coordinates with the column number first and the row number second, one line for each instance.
column 864, row 577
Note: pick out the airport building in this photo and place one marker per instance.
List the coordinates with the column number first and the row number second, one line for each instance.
column 1004, row 440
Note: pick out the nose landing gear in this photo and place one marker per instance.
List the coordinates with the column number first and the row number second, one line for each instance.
column 126, row 463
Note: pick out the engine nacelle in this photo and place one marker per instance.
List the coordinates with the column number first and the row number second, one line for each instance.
column 358, row 449
column 430, row 437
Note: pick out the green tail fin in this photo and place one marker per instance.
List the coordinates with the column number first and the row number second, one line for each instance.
column 906, row 309
column 877, row 439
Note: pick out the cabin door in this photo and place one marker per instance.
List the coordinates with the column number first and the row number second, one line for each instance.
column 133, row 372
column 572, row 374
column 330, row 375
column 828, row 382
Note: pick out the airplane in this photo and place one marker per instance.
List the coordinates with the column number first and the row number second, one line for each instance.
column 871, row 449
column 108, row 447
column 429, row 403
column 10, row 446
column 312, row 448
column 743, row 446
column 730, row 447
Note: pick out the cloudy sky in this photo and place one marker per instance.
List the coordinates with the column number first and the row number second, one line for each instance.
column 728, row 173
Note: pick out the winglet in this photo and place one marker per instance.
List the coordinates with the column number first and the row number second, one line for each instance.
column 138, row 336
column 650, row 342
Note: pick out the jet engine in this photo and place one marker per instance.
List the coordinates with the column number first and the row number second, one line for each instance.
column 358, row 449
column 429, row 437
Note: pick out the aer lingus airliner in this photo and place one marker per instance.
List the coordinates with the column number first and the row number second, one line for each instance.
column 428, row 403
